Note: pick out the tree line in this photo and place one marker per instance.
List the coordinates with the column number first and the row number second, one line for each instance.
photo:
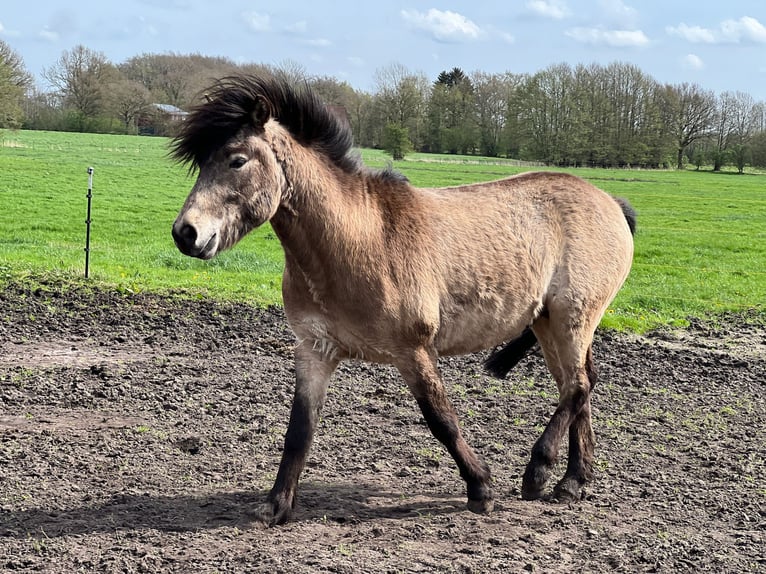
column 586, row 115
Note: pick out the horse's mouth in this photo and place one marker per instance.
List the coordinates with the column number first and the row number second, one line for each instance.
column 210, row 248
column 207, row 251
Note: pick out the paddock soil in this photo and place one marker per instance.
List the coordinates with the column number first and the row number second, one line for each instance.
column 137, row 432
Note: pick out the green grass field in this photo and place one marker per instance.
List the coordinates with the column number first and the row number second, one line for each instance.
column 700, row 249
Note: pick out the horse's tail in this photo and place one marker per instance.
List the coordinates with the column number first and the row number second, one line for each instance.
column 628, row 212
column 501, row 361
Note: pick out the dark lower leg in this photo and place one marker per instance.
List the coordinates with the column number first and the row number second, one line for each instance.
column 580, row 463
column 581, row 444
column 443, row 423
column 544, row 454
column 298, row 439
column 422, row 376
column 312, row 377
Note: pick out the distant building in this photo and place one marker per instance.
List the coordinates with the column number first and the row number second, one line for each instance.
column 158, row 119
column 172, row 113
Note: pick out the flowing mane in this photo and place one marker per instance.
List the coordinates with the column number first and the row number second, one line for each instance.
column 230, row 104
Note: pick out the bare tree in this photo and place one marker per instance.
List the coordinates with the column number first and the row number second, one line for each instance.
column 723, row 128
column 492, row 92
column 692, row 112
column 127, row 99
column 79, row 77
column 17, row 73
column 361, row 110
column 745, row 119
column 548, row 115
column 292, row 72
column 14, row 82
column 176, row 79
column 401, row 98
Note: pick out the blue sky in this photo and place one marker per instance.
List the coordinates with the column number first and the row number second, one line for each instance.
column 721, row 46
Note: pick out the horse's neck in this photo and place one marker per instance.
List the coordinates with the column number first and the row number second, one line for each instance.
column 325, row 219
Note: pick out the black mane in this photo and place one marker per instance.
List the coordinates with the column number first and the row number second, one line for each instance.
column 230, row 105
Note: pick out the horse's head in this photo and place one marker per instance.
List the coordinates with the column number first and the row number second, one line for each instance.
column 237, row 142
column 240, row 182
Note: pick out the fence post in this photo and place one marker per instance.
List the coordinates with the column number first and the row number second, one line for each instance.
column 87, row 222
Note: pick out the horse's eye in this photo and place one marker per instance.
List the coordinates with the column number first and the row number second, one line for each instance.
column 238, row 162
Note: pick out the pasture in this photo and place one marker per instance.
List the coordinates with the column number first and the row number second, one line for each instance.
column 700, row 249
column 142, row 413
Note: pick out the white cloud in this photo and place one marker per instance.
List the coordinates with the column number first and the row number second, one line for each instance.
column 507, row 38
column 746, row 29
column 48, row 34
column 318, row 42
column 257, row 22
column 444, row 26
column 614, row 38
column 10, row 33
column 355, row 61
column 299, row 27
column 620, row 13
column 693, row 62
column 556, row 9
column 694, row 34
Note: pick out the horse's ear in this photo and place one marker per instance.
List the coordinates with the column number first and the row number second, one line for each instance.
column 261, row 112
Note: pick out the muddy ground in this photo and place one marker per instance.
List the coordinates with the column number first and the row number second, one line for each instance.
column 136, row 432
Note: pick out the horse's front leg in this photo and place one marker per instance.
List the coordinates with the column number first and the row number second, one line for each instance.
column 422, row 376
column 312, row 376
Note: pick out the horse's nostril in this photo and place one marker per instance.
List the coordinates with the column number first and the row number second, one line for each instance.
column 185, row 235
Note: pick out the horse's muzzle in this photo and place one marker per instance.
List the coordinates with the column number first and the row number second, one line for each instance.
column 187, row 240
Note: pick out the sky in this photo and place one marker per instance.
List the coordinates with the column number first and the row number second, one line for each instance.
column 721, row 46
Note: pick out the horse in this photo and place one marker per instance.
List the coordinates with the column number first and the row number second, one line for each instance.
column 379, row 270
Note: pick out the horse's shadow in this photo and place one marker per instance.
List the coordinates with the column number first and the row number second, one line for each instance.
column 344, row 503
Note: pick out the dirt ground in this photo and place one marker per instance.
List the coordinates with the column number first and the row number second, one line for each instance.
column 136, row 433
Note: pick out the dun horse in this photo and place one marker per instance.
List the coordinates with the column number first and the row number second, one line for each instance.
column 378, row 270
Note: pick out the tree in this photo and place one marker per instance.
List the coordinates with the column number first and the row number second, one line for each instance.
column 292, row 72
column 176, row 79
column 746, row 118
column 758, row 147
column 14, row 82
column 723, row 129
column 451, row 114
column 127, row 99
column 547, row 115
column 396, row 140
column 400, row 98
column 361, row 111
column 492, row 92
column 79, row 77
column 692, row 111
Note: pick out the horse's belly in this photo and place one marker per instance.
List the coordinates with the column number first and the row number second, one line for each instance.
column 474, row 330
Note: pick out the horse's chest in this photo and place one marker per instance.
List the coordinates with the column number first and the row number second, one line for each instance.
column 342, row 340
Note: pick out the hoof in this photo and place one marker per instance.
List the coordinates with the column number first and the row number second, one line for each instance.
column 270, row 514
column 483, row 506
column 568, row 490
column 531, row 493
column 534, row 480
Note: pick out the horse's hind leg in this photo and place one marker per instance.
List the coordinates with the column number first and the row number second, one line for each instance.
column 581, row 445
column 421, row 374
column 568, row 356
